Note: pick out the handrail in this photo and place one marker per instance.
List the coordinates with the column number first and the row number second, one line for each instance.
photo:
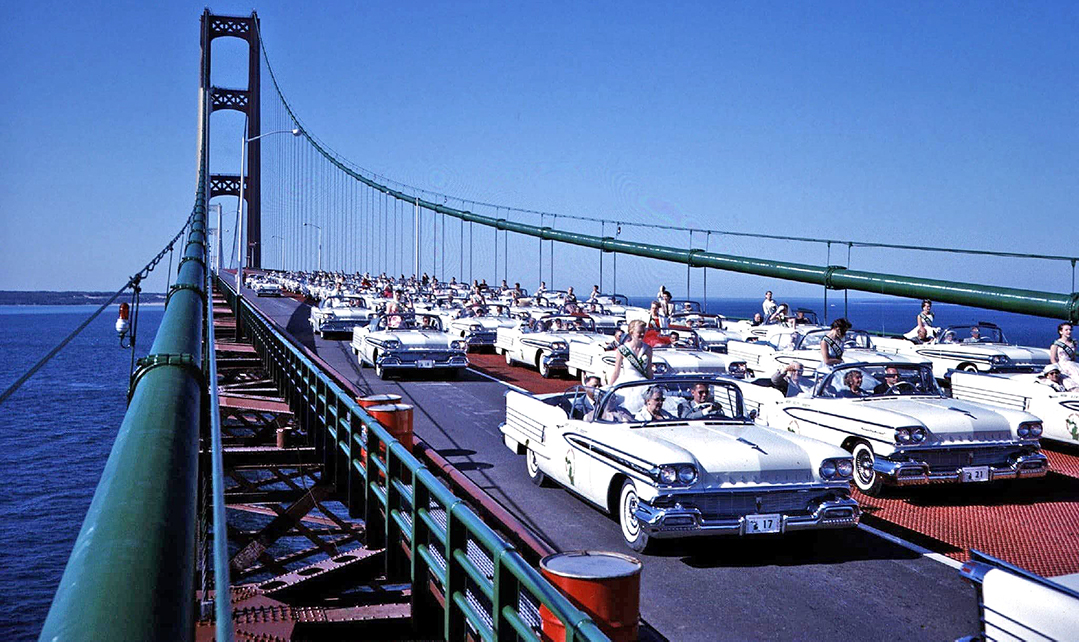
column 222, row 595
column 138, row 538
column 427, row 532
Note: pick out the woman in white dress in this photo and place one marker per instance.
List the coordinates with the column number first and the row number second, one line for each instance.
column 1063, row 353
column 633, row 358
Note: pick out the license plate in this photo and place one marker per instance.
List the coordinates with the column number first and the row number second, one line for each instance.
column 425, row 363
column 975, row 474
column 763, row 524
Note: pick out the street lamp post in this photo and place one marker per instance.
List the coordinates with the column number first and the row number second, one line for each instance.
column 282, row 239
column 240, row 204
column 319, row 243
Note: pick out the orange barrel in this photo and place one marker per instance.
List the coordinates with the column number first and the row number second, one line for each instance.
column 606, row 586
column 377, row 400
column 397, row 419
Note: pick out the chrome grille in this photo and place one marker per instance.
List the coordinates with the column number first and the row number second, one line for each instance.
column 732, row 505
column 959, row 457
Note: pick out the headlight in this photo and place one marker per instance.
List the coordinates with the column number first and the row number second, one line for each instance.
column 680, row 474
column 844, row 468
column 836, row 469
column 475, row 327
column 1030, row 430
column 459, row 345
column 392, row 344
column 827, row 469
column 902, row 435
column 667, row 474
column 687, row 474
column 918, row 435
column 559, row 346
column 659, row 368
column 1000, row 358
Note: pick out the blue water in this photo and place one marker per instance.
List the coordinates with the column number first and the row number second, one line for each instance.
column 58, row 429
column 55, row 435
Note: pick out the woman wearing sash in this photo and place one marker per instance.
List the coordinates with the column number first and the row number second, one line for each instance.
column 924, row 321
column 1063, row 353
column 633, row 358
column 831, row 346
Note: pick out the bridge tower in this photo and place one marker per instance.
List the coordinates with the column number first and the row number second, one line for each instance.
column 247, row 102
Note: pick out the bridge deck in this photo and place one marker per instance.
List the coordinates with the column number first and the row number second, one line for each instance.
column 829, row 584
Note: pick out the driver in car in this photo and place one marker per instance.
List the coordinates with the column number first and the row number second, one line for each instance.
column 653, row 406
column 891, row 378
column 700, row 402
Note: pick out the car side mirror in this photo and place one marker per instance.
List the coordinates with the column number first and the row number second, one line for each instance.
column 753, row 415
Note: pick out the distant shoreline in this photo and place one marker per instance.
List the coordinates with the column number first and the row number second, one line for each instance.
column 43, row 297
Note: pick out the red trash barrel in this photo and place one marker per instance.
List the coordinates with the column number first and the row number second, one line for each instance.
column 377, row 400
column 606, row 586
column 395, row 418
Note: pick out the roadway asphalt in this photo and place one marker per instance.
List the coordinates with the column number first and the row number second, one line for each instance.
column 829, row 585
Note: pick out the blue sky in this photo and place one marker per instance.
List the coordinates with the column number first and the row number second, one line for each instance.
column 941, row 123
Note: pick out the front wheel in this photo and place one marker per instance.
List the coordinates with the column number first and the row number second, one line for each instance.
column 635, row 536
column 509, row 359
column 380, row 371
column 544, row 369
column 866, row 478
column 968, row 367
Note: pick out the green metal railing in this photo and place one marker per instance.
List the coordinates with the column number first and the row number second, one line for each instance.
column 426, row 530
column 131, row 574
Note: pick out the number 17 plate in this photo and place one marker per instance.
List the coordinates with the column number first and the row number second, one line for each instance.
column 763, row 524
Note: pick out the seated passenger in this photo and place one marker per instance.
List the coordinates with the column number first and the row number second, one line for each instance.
column 975, row 336
column 653, row 406
column 787, row 379
column 757, row 319
column 853, row 381
column 584, row 405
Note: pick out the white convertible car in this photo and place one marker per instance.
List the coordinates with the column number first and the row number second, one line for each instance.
column 686, row 356
column 342, row 313
column 972, row 348
column 791, row 344
column 545, row 343
column 479, row 328
column 709, row 328
column 698, row 466
column 902, row 429
column 1059, row 411
column 409, row 341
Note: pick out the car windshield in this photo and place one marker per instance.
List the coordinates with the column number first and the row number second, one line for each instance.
column 697, row 320
column 566, row 323
column 686, row 306
column 853, row 340
column 680, row 399
column 803, row 315
column 878, row 380
column 675, row 338
column 410, row 321
column 595, row 308
column 614, row 299
column 973, row 334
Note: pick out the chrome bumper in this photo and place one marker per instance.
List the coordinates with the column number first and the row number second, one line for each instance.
column 919, row 473
column 480, row 338
column 342, row 325
column 395, row 362
column 664, row 523
column 556, row 360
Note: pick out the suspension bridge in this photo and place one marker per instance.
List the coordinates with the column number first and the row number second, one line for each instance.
column 250, row 494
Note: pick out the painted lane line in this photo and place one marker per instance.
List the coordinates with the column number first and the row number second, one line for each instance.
column 496, row 380
column 924, row 552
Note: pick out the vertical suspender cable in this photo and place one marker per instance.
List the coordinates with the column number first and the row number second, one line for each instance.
column 443, row 246
column 828, row 263
column 689, row 267
column 461, row 253
column 506, row 255
column 707, row 243
column 540, row 263
column 846, row 313
column 416, row 238
column 552, row 252
column 470, row 279
column 602, row 234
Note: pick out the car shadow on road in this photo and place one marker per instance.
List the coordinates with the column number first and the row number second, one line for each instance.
column 790, row 549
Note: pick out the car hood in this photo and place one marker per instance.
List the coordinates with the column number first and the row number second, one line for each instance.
column 416, row 339
column 732, row 454
column 691, row 360
column 948, row 420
